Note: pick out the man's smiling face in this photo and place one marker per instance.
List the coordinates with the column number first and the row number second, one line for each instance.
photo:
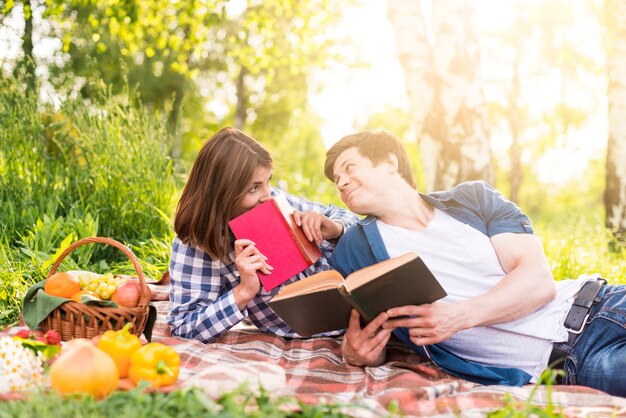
column 360, row 183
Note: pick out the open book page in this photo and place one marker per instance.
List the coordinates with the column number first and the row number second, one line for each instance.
column 284, row 206
column 360, row 277
column 308, row 249
column 329, row 279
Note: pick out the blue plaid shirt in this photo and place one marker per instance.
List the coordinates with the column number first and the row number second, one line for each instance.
column 202, row 302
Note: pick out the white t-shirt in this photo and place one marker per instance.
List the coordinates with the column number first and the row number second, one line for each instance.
column 467, row 266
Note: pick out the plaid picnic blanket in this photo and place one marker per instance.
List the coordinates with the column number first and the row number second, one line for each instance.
column 313, row 370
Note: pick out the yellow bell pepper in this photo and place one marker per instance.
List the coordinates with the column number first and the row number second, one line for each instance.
column 155, row 363
column 120, row 345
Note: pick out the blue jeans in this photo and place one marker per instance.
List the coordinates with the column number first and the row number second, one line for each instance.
column 597, row 356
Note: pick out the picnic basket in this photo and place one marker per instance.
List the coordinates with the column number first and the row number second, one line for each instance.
column 76, row 320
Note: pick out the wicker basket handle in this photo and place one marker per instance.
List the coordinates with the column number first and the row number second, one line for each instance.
column 101, row 240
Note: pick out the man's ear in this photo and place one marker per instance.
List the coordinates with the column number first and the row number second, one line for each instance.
column 392, row 163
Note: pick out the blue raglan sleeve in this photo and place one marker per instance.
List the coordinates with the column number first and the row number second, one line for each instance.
column 353, row 252
column 481, row 206
column 500, row 214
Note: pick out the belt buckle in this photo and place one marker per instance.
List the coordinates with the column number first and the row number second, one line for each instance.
column 582, row 325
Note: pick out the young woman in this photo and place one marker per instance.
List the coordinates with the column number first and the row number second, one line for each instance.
column 214, row 284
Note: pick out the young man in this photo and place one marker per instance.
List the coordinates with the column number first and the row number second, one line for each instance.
column 504, row 314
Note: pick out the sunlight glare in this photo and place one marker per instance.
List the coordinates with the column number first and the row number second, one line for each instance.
column 349, row 96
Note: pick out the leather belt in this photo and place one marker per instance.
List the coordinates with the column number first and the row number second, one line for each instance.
column 576, row 319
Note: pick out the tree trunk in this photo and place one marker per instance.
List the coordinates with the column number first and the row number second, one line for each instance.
column 241, row 107
column 27, row 63
column 615, row 192
column 415, row 54
column 444, row 86
column 172, row 121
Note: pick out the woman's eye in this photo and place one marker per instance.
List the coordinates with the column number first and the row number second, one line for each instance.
column 252, row 189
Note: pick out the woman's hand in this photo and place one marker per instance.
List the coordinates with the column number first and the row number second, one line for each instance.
column 365, row 347
column 248, row 260
column 317, row 227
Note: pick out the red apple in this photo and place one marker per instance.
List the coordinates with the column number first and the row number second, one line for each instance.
column 127, row 294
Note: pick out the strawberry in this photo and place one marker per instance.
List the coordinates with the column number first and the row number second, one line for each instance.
column 23, row 333
column 52, row 337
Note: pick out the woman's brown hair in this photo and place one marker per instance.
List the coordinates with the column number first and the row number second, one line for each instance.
column 218, row 180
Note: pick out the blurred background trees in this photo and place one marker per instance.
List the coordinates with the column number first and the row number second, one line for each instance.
column 500, row 93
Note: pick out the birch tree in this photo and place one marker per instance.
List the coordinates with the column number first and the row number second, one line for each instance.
column 615, row 192
column 443, row 81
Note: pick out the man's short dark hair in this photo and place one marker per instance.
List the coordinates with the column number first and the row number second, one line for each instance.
column 376, row 145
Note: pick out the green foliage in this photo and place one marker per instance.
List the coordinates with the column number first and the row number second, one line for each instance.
column 108, row 160
column 299, row 160
column 156, row 46
column 569, row 219
column 278, row 45
column 189, row 402
column 179, row 56
column 581, row 195
column 15, row 278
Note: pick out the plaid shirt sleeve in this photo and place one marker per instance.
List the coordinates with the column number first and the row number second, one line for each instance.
column 201, row 309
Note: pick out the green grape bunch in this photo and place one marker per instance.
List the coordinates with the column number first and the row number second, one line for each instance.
column 104, row 285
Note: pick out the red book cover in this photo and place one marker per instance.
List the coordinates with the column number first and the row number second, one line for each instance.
column 272, row 228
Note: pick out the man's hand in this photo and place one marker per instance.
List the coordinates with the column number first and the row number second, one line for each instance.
column 365, row 347
column 317, row 227
column 248, row 260
column 430, row 323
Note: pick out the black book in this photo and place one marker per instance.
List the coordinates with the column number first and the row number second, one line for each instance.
column 322, row 302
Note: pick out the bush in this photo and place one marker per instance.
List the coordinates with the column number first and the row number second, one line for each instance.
column 108, row 159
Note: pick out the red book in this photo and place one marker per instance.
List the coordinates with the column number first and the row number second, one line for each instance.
column 272, row 228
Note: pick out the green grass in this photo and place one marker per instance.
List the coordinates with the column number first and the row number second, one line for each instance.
column 190, row 402
column 582, row 245
column 514, row 408
column 193, row 402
